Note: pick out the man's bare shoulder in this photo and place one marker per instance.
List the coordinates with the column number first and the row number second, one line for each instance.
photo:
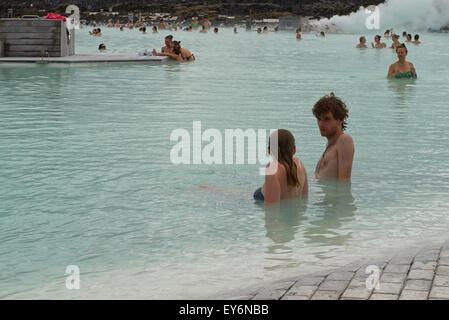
column 345, row 140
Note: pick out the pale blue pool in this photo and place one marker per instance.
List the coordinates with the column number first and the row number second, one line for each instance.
column 86, row 177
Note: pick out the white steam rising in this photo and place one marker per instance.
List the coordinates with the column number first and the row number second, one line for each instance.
column 413, row 15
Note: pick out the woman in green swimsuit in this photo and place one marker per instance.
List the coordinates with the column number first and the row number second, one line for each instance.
column 402, row 68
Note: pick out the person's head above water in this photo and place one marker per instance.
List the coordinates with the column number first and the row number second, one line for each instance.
column 102, row 47
column 168, row 40
column 177, row 47
column 286, row 150
column 377, row 38
column 362, row 39
column 401, row 51
column 216, row 30
column 416, row 37
column 335, row 107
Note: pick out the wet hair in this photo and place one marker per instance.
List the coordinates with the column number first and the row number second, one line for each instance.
column 177, row 47
column 377, row 36
column 98, row 29
column 333, row 105
column 215, row 29
column 404, row 33
column 409, row 36
column 286, row 148
column 101, row 46
column 170, row 37
column 361, row 38
column 144, row 29
column 387, row 32
column 402, row 45
column 416, row 37
column 154, row 28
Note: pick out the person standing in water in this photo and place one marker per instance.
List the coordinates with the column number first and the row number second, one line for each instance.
column 362, row 43
column 168, row 44
column 417, row 42
column 286, row 177
column 378, row 45
column 402, row 68
column 336, row 162
column 396, row 42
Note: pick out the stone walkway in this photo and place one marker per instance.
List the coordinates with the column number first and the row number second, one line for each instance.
column 412, row 275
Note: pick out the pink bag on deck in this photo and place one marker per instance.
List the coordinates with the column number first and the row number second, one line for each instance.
column 55, row 16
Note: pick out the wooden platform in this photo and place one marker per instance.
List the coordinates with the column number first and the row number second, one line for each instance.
column 85, row 59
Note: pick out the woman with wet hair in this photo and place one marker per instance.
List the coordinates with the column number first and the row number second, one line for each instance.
column 378, row 45
column 402, row 68
column 417, row 42
column 285, row 177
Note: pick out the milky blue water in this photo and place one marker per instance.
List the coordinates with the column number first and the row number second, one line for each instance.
column 86, row 177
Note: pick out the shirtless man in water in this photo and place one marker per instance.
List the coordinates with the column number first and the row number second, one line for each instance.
column 336, row 161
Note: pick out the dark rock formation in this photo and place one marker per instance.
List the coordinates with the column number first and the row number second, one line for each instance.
column 188, row 8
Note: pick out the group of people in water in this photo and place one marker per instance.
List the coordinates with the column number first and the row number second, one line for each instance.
column 286, row 177
column 401, row 68
column 174, row 50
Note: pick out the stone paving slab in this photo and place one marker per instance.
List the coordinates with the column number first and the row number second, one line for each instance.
column 418, row 274
column 413, row 295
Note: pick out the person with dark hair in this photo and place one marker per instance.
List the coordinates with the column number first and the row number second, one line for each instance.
column 378, row 45
column 404, row 34
column 144, row 30
column 417, row 42
column 259, row 30
column 215, row 30
column 402, row 68
column 285, row 176
column 155, row 29
column 203, row 29
column 177, row 53
column 409, row 38
column 362, row 43
column 168, row 44
column 102, row 47
column 265, row 29
column 336, row 162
